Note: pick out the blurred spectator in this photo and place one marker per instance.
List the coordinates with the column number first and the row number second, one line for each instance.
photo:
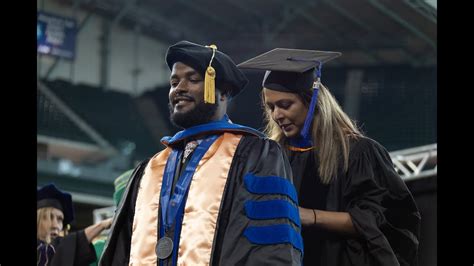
column 55, row 245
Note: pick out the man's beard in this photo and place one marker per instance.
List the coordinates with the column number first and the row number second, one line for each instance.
column 202, row 113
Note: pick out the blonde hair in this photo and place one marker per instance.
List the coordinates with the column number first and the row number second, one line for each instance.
column 43, row 219
column 331, row 132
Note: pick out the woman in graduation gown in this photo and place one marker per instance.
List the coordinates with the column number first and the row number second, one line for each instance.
column 354, row 207
column 54, row 245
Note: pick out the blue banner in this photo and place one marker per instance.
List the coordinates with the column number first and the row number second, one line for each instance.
column 56, row 35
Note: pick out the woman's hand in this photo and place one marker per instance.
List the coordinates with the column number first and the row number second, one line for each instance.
column 94, row 230
column 107, row 223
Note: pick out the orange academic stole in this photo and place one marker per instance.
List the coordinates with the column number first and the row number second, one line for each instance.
column 201, row 210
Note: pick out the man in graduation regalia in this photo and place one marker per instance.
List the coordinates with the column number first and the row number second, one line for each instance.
column 220, row 193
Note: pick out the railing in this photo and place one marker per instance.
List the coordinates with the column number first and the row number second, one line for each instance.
column 416, row 162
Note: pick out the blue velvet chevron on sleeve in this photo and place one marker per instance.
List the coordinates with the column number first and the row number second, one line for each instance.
column 280, row 233
column 270, row 185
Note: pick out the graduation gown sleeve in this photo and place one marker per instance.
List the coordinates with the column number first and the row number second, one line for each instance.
column 74, row 249
column 382, row 209
column 258, row 222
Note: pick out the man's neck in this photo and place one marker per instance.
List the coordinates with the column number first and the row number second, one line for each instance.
column 217, row 117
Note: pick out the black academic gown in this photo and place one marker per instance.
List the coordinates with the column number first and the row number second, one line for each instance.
column 382, row 209
column 73, row 249
column 255, row 155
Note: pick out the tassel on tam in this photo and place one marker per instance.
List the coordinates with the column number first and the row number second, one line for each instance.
column 210, row 79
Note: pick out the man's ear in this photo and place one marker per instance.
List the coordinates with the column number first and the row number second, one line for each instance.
column 225, row 90
column 222, row 96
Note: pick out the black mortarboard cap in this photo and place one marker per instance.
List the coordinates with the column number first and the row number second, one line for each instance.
column 289, row 70
column 51, row 196
column 198, row 57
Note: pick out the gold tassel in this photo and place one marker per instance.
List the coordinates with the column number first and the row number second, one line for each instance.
column 210, row 85
column 210, row 80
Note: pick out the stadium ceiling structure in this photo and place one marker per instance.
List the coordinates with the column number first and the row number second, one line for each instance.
column 368, row 32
